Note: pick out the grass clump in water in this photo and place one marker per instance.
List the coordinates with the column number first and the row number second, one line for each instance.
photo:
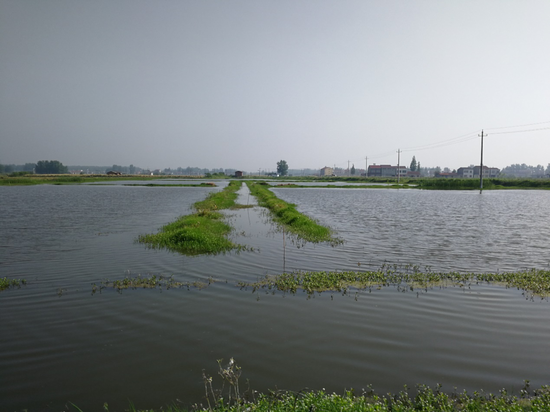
column 203, row 232
column 6, row 283
column 286, row 214
column 149, row 282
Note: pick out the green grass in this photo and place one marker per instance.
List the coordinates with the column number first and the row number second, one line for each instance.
column 203, row 232
column 533, row 282
column 422, row 399
column 286, row 214
column 224, row 199
column 6, row 283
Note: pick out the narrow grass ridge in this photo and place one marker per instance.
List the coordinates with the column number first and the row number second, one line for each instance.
column 203, row 232
column 286, row 214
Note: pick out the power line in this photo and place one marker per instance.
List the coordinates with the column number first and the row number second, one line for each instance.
column 519, row 125
column 521, row 131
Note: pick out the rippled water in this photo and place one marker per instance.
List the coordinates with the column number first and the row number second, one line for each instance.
column 60, row 343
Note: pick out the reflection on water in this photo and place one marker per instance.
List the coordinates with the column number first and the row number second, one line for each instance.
column 150, row 346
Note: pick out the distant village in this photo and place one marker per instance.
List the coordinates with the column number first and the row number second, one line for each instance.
column 402, row 171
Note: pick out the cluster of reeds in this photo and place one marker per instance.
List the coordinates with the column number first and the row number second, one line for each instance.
column 203, row 232
column 215, row 398
column 286, row 214
column 534, row 282
column 6, row 283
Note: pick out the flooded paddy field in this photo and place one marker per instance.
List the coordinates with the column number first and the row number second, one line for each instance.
column 60, row 342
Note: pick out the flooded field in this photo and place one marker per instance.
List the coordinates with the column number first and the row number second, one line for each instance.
column 60, row 343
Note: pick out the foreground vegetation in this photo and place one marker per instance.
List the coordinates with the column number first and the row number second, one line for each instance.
column 533, row 282
column 229, row 398
column 203, row 232
column 286, row 214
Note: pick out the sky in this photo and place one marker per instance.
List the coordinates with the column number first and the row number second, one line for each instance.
column 243, row 84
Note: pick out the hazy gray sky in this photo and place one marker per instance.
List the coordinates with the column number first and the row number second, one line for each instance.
column 245, row 83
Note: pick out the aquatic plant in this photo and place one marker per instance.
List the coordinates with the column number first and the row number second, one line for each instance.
column 6, row 283
column 149, row 282
column 534, row 282
column 286, row 214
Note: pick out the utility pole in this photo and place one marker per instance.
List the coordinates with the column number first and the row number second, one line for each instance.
column 366, row 166
column 481, row 165
column 348, row 168
column 398, row 160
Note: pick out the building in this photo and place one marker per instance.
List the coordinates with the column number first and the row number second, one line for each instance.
column 487, row 171
column 465, row 172
column 327, row 171
column 238, row 173
column 386, row 171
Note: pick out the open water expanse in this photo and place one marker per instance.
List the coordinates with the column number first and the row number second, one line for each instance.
column 60, row 343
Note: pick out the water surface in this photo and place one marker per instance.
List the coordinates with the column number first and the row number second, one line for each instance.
column 60, row 343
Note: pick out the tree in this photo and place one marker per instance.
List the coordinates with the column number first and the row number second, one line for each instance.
column 418, row 167
column 53, row 167
column 352, row 170
column 282, row 168
column 414, row 165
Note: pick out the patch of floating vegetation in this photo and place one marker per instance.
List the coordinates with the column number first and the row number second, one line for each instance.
column 203, row 232
column 6, row 283
column 534, row 282
column 149, row 282
column 286, row 214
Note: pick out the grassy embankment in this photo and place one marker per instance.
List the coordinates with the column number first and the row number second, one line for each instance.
column 203, row 232
column 32, row 179
column 6, row 283
column 286, row 214
column 533, row 282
